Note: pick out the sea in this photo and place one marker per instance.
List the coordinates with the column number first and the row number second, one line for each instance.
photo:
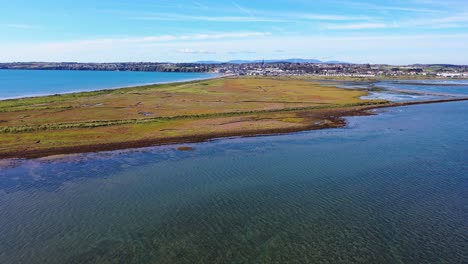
column 387, row 188
column 27, row 83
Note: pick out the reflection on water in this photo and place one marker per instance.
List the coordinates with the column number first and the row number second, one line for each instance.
column 389, row 188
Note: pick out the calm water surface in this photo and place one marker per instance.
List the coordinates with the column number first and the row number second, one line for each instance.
column 22, row 83
column 453, row 87
column 390, row 188
column 412, row 90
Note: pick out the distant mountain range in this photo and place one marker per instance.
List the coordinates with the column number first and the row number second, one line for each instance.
column 272, row 61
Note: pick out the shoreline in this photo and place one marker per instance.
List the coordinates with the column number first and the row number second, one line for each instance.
column 337, row 116
column 115, row 88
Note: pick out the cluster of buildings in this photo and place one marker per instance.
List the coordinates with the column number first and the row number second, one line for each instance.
column 343, row 70
column 260, row 68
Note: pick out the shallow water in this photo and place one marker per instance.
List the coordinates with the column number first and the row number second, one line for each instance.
column 450, row 87
column 411, row 90
column 23, row 83
column 389, row 188
column 401, row 97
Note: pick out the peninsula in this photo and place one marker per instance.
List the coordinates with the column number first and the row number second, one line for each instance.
column 174, row 113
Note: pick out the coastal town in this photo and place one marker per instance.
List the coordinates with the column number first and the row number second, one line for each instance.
column 262, row 68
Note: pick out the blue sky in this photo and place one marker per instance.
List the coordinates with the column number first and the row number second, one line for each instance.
column 394, row 32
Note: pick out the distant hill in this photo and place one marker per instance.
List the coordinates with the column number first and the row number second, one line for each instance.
column 436, row 65
column 293, row 60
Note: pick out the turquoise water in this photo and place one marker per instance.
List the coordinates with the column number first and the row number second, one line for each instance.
column 389, row 188
column 23, row 83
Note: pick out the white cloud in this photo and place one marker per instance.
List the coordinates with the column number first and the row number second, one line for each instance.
column 242, row 9
column 242, row 52
column 248, row 15
column 398, row 49
column 178, row 17
column 454, row 21
column 200, row 5
column 330, row 17
column 407, row 9
column 357, row 26
column 192, row 51
column 377, row 7
column 162, row 38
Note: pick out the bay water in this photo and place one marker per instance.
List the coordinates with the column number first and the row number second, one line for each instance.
column 27, row 83
column 388, row 188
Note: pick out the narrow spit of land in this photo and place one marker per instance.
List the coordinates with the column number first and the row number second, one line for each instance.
column 175, row 113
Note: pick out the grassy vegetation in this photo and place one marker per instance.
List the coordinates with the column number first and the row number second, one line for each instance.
column 169, row 110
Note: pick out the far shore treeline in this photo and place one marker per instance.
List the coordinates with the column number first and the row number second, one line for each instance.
column 290, row 67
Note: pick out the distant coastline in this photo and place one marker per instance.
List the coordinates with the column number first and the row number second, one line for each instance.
column 289, row 67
